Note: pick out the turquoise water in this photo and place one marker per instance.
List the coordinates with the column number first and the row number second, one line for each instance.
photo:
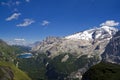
column 25, row 55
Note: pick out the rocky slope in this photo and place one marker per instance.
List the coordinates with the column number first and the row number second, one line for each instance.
column 84, row 48
column 109, row 70
column 90, row 42
column 112, row 51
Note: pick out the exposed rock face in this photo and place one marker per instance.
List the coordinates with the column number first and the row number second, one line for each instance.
column 112, row 52
column 74, row 47
column 65, row 58
column 6, row 73
column 91, row 43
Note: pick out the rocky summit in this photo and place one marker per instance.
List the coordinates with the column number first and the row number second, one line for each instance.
column 90, row 42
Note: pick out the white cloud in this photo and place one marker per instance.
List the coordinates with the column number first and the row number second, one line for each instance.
column 27, row 0
column 6, row 4
column 26, row 22
column 19, row 39
column 17, row 2
column 45, row 23
column 10, row 3
column 13, row 16
column 110, row 23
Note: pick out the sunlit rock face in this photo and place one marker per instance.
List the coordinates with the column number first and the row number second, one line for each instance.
column 89, row 42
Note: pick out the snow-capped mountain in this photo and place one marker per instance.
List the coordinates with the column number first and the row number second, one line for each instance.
column 90, row 43
column 104, row 32
column 93, row 39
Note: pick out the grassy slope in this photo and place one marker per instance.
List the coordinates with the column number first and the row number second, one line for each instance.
column 18, row 74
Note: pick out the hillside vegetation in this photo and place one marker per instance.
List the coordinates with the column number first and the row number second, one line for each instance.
column 103, row 71
column 8, row 71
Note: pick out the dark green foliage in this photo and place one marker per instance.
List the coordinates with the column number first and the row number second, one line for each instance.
column 84, row 60
column 55, row 70
column 6, row 52
column 60, row 69
column 21, row 49
column 81, row 62
column 34, row 67
column 103, row 71
column 64, row 67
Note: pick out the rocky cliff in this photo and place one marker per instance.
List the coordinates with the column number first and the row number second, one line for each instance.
column 112, row 51
column 90, row 42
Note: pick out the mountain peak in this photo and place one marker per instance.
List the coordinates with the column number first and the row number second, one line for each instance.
column 104, row 32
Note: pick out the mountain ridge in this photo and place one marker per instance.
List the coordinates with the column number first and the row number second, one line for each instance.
column 74, row 43
column 88, row 50
column 93, row 34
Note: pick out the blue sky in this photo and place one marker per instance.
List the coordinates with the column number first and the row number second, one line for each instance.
column 33, row 20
